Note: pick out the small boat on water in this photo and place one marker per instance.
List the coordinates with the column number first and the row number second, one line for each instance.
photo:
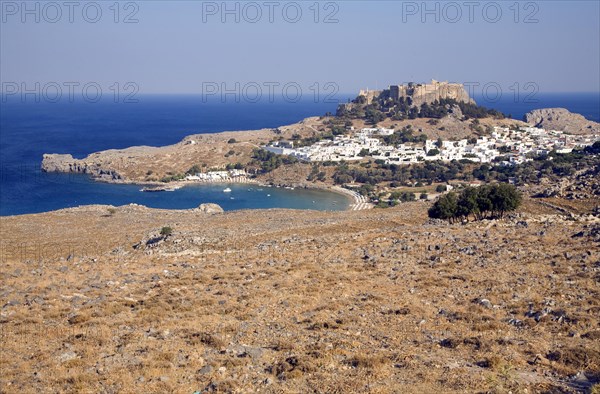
column 227, row 190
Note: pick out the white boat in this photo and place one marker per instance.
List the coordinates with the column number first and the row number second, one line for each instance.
column 228, row 190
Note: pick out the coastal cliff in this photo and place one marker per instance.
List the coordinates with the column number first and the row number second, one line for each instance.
column 68, row 164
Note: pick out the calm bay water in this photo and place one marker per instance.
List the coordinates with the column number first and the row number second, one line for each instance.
column 28, row 130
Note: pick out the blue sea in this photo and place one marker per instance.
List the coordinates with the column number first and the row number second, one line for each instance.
column 30, row 129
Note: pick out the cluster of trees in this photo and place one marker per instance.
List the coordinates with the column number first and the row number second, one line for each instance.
column 403, row 196
column 170, row 177
column 480, row 203
column 593, row 150
column 473, row 111
column 406, row 135
column 193, row 170
column 234, row 166
column 316, row 174
column 396, row 198
column 403, row 108
column 269, row 161
column 196, row 169
column 427, row 172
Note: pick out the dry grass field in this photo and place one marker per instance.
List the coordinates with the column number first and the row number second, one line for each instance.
column 381, row 301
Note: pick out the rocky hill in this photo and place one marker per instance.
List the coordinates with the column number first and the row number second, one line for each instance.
column 420, row 93
column 146, row 164
column 102, row 299
column 563, row 120
column 399, row 102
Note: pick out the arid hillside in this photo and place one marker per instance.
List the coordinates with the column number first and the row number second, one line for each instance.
column 95, row 299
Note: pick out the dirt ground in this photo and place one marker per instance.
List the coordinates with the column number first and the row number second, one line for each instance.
column 94, row 299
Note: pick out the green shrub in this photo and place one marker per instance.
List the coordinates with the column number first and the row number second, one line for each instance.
column 482, row 202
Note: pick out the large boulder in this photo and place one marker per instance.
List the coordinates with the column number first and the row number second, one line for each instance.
column 210, row 208
column 561, row 119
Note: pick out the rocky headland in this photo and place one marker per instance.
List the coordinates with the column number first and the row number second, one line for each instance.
column 562, row 119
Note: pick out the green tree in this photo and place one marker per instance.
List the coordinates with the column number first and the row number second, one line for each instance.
column 195, row 169
column 467, row 203
column 484, row 204
column 445, row 207
column 504, row 198
column 341, row 178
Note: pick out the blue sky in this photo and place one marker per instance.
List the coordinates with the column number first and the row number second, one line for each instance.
column 176, row 46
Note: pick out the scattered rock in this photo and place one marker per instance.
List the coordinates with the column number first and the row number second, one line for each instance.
column 210, row 208
column 485, row 303
column 205, row 370
column 67, row 356
column 515, row 322
column 449, row 343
